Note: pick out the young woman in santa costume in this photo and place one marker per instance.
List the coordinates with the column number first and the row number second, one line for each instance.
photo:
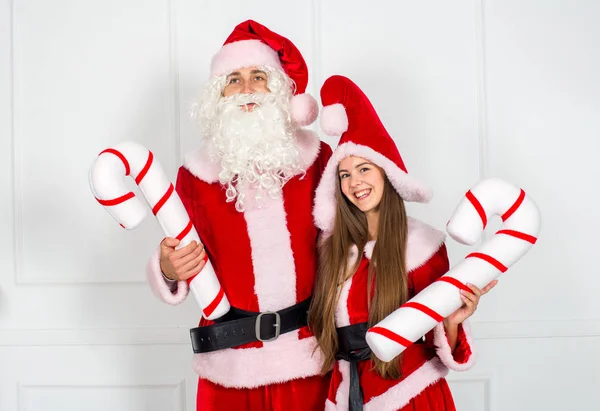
column 373, row 258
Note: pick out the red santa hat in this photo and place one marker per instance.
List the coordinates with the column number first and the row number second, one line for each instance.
column 252, row 44
column 348, row 112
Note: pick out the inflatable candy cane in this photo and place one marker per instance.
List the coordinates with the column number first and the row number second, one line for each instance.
column 107, row 183
column 519, row 232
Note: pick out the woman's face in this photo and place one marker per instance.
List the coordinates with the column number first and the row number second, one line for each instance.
column 361, row 182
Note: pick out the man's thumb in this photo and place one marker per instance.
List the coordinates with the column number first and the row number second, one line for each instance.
column 169, row 242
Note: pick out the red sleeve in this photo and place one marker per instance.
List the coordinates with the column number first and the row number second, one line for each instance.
column 184, row 190
column 324, row 156
column 426, row 274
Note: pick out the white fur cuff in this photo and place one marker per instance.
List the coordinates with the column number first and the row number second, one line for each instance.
column 440, row 340
column 159, row 285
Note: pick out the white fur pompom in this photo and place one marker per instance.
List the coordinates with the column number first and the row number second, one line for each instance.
column 304, row 109
column 334, row 121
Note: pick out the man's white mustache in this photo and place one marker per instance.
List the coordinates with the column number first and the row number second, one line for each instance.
column 244, row 99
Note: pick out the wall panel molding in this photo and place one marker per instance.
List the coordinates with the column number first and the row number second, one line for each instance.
column 77, row 337
column 178, row 388
column 316, row 69
column 17, row 193
column 575, row 328
column 488, row 330
column 473, row 381
column 21, row 276
column 481, row 86
column 175, row 117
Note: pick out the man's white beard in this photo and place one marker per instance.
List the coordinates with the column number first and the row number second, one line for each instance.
column 257, row 149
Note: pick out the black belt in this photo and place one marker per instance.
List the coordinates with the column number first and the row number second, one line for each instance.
column 353, row 348
column 239, row 327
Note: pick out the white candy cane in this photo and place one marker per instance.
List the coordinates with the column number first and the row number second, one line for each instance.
column 517, row 235
column 108, row 185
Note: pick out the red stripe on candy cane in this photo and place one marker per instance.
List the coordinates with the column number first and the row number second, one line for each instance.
column 455, row 282
column 142, row 173
column 213, row 305
column 425, row 310
column 163, row 200
column 478, row 207
column 514, row 207
column 517, row 234
column 185, row 231
column 490, row 260
column 121, row 156
column 116, row 201
column 391, row 335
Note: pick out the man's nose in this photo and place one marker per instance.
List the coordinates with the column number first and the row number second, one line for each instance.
column 247, row 88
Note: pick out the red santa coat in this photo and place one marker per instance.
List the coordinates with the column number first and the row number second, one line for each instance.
column 422, row 364
column 265, row 259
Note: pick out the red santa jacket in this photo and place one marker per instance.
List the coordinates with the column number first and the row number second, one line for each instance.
column 422, row 364
column 265, row 259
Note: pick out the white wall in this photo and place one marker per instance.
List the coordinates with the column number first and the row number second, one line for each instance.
column 469, row 89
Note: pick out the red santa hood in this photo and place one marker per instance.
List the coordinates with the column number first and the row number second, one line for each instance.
column 348, row 111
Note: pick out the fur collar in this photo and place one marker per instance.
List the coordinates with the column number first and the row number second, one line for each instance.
column 423, row 241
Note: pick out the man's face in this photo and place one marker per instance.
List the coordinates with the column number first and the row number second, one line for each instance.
column 249, row 131
column 247, row 80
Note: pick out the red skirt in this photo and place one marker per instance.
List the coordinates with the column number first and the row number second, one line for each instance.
column 302, row 394
column 436, row 397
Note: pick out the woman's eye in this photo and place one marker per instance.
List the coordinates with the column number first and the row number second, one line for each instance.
column 364, row 169
column 344, row 175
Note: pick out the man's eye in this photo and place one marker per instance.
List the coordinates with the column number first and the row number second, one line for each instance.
column 233, row 80
column 259, row 78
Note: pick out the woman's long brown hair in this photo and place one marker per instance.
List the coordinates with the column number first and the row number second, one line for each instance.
column 388, row 266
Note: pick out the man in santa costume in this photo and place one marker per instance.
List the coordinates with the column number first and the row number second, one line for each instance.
column 249, row 190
